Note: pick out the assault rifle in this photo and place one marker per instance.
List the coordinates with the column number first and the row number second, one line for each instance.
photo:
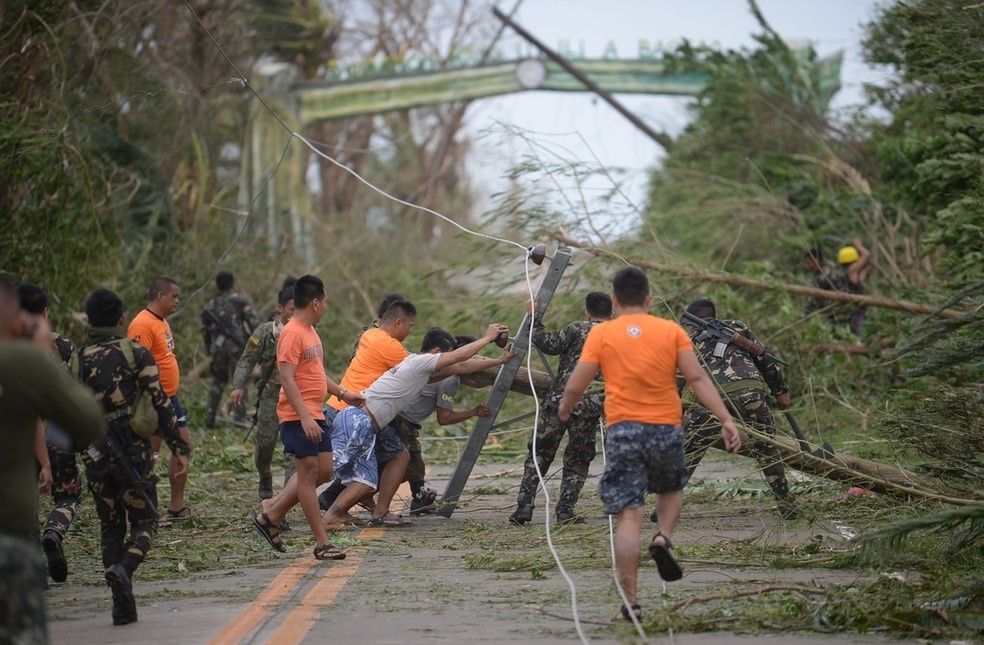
column 115, row 444
column 725, row 336
column 227, row 331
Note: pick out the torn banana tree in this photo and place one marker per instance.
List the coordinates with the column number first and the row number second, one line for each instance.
column 881, row 478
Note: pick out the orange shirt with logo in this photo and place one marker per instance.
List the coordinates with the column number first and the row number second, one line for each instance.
column 637, row 354
column 153, row 332
column 376, row 353
column 300, row 345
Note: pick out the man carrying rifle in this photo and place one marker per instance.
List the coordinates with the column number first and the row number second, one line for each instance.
column 744, row 371
column 227, row 321
column 118, row 467
column 261, row 350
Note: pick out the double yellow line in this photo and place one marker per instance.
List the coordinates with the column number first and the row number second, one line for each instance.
column 299, row 620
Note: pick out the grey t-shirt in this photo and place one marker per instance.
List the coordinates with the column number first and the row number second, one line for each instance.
column 434, row 395
column 400, row 386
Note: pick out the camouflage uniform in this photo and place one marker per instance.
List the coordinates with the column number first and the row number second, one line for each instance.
column 22, row 605
column 742, row 380
column 261, row 349
column 838, row 313
column 227, row 320
column 581, row 428
column 66, row 485
column 104, row 367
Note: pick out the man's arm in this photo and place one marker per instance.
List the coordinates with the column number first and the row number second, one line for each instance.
column 207, row 328
column 41, row 454
column 293, row 393
column 449, row 417
column 474, row 364
column 707, row 394
column 577, row 382
column 856, row 273
column 465, row 352
column 244, row 367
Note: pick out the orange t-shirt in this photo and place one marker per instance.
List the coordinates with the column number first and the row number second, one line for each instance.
column 376, row 353
column 153, row 332
column 300, row 345
column 637, row 354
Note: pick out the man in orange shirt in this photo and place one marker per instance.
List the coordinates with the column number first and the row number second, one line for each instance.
column 639, row 355
column 303, row 430
column 150, row 329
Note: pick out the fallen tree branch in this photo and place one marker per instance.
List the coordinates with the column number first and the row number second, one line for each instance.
column 799, row 289
column 683, row 604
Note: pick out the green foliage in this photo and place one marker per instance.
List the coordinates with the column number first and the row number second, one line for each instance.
column 930, row 152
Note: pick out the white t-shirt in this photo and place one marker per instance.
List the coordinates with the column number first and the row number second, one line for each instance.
column 399, row 386
column 434, row 395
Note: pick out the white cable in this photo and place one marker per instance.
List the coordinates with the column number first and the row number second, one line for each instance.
column 536, row 461
column 611, row 539
column 401, row 201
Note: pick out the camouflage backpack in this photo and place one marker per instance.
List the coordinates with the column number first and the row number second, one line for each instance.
column 143, row 416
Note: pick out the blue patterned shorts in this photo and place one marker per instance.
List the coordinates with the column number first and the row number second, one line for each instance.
column 359, row 449
column 641, row 458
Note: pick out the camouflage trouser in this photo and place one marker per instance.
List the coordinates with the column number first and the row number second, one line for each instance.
column 751, row 408
column 581, row 432
column 222, row 366
column 409, row 434
column 118, row 504
column 23, row 611
column 268, row 433
column 66, row 490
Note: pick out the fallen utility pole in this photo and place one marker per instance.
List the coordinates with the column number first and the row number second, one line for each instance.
column 661, row 138
column 813, row 292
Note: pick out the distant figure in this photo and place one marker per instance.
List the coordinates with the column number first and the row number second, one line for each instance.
column 227, row 321
column 855, row 261
column 32, row 385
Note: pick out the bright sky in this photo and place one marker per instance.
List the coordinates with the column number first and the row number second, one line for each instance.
column 829, row 24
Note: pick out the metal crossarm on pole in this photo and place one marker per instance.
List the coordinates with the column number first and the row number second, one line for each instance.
column 500, row 388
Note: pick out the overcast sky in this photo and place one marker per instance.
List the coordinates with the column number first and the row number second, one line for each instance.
column 829, row 24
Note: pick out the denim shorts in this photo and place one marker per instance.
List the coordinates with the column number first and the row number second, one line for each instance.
column 641, row 457
column 179, row 412
column 297, row 443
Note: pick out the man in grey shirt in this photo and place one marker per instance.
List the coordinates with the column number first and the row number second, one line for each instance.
column 361, row 434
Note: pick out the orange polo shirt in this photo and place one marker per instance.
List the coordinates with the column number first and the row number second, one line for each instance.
column 637, row 354
column 300, row 345
column 376, row 353
column 153, row 332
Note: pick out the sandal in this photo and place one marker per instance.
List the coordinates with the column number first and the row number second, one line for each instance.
column 636, row 610
column 181, row 514
column 328, row 552
column 268, row 531
column 390, row 520
column 669, row 569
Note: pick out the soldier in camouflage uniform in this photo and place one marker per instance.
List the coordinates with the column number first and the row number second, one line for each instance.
column 261, row 350
column 743, row 381
column 227, row 321
column 66, row 484
column 118, row 369
column 582, row 427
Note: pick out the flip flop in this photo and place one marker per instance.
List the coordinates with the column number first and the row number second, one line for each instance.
column 390, row 521
column 669, row 569
column 636, row 610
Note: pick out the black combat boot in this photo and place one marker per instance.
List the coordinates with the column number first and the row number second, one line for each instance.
column 265, row 489
column 330, row 494
column 521, row 515
column 51, row 543
column 423, row 502
column 124, row 604
column 567, row 516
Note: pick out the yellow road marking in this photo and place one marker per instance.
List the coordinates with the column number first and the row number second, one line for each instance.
column 298, row 622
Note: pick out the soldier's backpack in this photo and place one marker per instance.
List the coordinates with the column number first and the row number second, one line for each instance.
column 143, row 416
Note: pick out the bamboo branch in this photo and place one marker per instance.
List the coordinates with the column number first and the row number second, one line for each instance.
column 803, row 290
